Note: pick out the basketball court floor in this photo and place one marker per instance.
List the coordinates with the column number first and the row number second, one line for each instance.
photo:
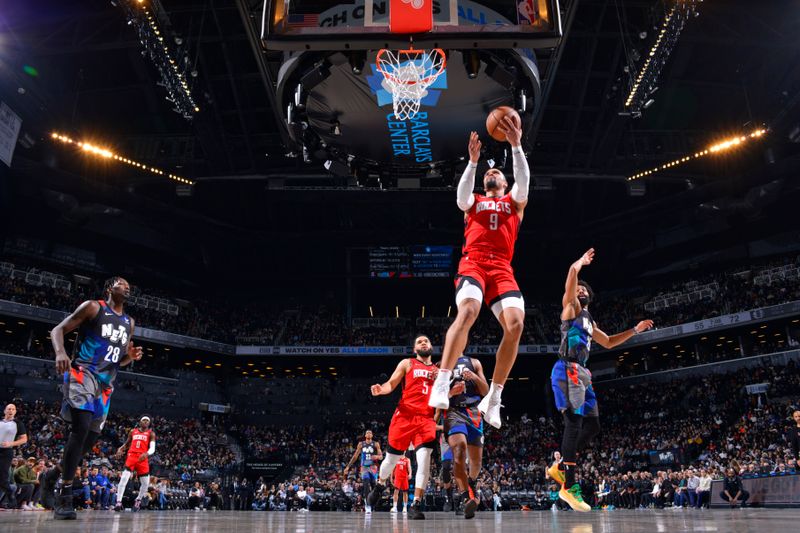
column 723, row 520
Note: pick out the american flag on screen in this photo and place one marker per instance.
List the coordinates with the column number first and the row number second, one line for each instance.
column 308, row 20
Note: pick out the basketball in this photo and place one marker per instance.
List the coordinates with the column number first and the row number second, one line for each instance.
column 494, row 118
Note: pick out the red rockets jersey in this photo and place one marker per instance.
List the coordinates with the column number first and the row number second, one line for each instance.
column 140, row 442
column 491, row 227
column 417, row 389
column 402, row 468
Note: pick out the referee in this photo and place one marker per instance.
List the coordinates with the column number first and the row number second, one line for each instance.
column 12, row 434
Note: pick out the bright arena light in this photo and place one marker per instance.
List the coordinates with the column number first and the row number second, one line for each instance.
column 108, row 154
column 717, row 148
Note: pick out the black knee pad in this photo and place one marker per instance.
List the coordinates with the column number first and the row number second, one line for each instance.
column 447, row 471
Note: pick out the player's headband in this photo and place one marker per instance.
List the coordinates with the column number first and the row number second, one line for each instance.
column 145, row 418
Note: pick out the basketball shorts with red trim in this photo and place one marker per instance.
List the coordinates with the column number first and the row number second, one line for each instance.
column 572, row 388
column 142, row 468
column 82, row 391
column 485, row 277
column 467, row 421
column 406, row 429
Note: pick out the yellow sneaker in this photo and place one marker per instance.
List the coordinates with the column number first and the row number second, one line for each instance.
column 574, row 498
column 556, row 474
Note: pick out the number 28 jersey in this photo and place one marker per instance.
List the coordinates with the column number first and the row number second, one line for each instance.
column 102, row 343
column 491, row 226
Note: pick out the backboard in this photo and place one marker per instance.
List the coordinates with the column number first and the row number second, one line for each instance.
column 365, row 24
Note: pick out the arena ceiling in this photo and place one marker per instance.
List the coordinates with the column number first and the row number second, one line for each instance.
column 735, row 67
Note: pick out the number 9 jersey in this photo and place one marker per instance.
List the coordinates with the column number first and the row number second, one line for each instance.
column 102, row 342
column 491, row 227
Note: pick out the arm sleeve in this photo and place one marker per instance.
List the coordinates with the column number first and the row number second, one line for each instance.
column 522, row 175
column 464, row 196
column 152, row 448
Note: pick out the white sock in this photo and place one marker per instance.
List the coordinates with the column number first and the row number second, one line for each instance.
column 444, row 375
column 144, row 483
column 123, row 482
column 495, row 390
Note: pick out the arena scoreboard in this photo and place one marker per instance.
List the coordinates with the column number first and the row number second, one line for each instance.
column 422, row 261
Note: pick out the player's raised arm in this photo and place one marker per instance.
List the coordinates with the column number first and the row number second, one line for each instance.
column 612, row 341
column 464, row 196
column 512, row 128
column 570, row 306
column 394, row 381
column 86, row 311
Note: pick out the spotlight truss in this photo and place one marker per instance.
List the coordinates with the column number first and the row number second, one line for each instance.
column 105, row 153
column 715, row 149
column 149, row 20
column 645, row 81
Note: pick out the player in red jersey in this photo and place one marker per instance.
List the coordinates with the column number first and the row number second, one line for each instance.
column 141, row 444
column 400, row 481
column 491, row 226
column 412, row 422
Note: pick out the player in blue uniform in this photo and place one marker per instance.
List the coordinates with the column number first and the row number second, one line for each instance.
column 463, row 426
column 572, row 382
column 103, row 346
column 370, row 452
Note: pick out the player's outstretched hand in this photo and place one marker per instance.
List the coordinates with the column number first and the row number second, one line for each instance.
column 457, row 389
column 135, row 352
column 376, row 390
column 62, row 363
column 644, row 325
column 512, row 129
column 587, row 258
column 474, row 147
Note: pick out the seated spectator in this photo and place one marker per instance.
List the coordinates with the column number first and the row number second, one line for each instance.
column 704, row 489
column 25, row 479
column 196, row 496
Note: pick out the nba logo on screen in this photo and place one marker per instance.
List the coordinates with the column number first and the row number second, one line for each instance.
column 526, row 12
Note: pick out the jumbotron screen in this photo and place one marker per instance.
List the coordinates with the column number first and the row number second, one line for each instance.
column 423, row 261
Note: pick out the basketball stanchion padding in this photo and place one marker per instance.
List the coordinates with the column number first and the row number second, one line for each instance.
column 410, row 16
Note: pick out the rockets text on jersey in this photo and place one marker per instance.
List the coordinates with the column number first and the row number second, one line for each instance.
column 491, row 226
column 417, row 389
column 140, row 442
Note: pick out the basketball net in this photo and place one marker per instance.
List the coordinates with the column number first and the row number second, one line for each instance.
column 408, row 75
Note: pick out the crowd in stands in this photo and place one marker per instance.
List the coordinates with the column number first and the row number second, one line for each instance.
column 186, row 450
column 735, row 289
column 682, row 435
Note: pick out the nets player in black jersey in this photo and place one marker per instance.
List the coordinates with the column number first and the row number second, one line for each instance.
column 572, row 382
column 463, row 428
column 103, row 346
